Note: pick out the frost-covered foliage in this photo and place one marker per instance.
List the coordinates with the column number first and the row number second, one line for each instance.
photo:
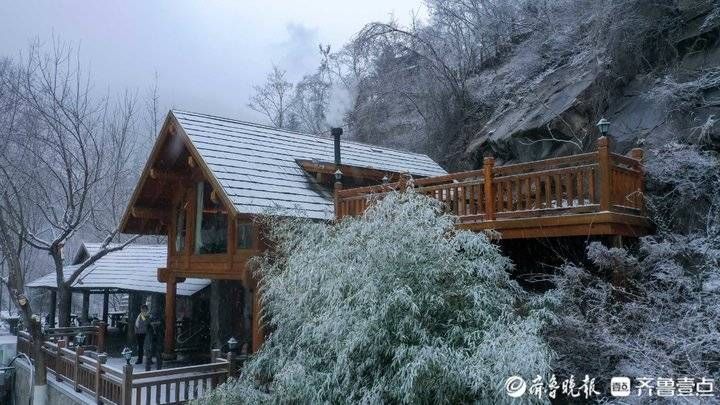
column 652, row 311
column 396, row 306
column 683, row 187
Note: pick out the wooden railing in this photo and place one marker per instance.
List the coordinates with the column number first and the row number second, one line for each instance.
column 589, row 182
column 95, row 335
column 89, row 373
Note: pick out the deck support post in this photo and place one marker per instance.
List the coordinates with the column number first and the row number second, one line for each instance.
column 101, row 336
column 101, row 359
column 338, row 188
column 53, row 308
column 257, row 330
column 126, row 394
column 85, row 316
column 488, row 164
column 79, row 351
column 638, row 154
column 603, row 144
column 169, row 344
column 106, row 306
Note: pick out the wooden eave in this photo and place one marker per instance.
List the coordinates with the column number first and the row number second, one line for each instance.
column 356, row 172
column 171, row 128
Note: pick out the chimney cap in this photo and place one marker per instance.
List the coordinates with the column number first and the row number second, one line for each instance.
column 337, row 131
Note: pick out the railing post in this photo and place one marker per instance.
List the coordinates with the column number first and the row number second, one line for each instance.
column 58, row 361
column 126, row 395
column 488, row 164
column 638, row 154
column 605, row 175
column 101, row 331
column 232, row 364
column 338, row 208
column 101, row 359
column 78, row 352
column 214, row 354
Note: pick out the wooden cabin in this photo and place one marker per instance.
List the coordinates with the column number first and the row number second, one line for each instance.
column 208, row 178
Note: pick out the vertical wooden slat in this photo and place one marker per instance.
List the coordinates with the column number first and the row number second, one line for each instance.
column 488, row 164
column 591, row 185
column 558, row 191
column 527, row 193
column 580, row 193
column 605, row 175
column 548, row 196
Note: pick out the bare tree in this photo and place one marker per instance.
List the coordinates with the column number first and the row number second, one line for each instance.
column 274, row 99
column 62, row 167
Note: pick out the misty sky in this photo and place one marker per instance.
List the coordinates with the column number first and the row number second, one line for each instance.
column 207, row 54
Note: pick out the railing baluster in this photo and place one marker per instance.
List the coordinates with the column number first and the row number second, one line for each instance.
column 488, row 164
column 548, row 196
column 580, row 193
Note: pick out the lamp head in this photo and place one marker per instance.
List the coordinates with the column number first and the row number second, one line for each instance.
column 604, row 126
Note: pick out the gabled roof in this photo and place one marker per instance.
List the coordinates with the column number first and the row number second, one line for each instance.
column 257, row 169
column 134, row 268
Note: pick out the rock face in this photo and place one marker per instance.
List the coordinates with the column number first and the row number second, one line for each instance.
column 555, row 110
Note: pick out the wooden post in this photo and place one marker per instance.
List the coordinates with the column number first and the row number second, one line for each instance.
column 106, row 306
column 53, row 308
column 638, row 154
column 61, row 344
column 126, row 394
column 338, row 209
column 78, row 352
column 85, row 316
column 488, row 164
column 214, row 355
column 257, row 329
column 605, row 175
column 232, row 365
column 169, row 344
column 102, row 331
column 101, row 359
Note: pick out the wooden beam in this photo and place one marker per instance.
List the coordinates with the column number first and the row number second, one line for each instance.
column 166, row 175
column 320, row 168
column 149, row 213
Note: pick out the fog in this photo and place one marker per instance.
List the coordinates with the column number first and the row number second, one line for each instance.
column 207, row 54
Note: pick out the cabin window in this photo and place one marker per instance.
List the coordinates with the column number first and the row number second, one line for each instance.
column 180, row 228
column 211, row 222
column 244, row 234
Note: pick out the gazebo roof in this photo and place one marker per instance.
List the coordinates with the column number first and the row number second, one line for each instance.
column 133, row 268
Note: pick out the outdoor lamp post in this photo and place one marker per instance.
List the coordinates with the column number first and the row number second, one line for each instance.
column 604, row 126
column 232, row 344
column 80, row 339
column 127, row 355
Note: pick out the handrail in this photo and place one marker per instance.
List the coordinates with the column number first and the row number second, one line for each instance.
column 589, row 182
column 110, row 386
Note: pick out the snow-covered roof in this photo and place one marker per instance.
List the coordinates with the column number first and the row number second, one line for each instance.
column 134, row 268
column 257, row 165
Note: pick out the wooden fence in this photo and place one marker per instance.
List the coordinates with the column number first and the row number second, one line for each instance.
column 89, row 372
column 589, row 182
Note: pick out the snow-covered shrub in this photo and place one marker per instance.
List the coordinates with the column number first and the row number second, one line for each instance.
column 683, row 185
column 652, row 311
column 396, row 306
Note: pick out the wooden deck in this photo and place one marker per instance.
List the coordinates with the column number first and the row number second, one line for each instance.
column 104, row 382
column 597, row 193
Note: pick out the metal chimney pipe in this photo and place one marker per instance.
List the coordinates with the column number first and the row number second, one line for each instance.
column 336, row 133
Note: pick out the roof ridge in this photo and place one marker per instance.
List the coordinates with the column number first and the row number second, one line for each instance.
column 255, row 124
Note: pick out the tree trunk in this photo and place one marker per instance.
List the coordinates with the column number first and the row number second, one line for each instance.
column 64, row 303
